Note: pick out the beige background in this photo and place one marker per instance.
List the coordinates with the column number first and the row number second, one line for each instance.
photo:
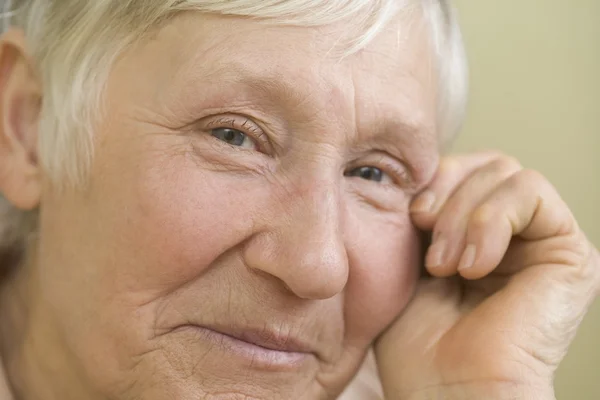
column 535, row 67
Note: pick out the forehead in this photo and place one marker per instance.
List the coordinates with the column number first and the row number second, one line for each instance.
column 202, row 45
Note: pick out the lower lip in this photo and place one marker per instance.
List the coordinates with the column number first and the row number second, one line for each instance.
column 254, row 355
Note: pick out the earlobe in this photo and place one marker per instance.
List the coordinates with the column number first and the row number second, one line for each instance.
column 20, row 105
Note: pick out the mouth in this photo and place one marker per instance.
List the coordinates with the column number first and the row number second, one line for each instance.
column 260, row 349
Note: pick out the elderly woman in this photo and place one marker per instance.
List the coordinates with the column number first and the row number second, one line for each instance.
column 211, row 199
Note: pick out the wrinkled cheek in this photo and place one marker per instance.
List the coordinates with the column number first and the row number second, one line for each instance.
column 385, row 265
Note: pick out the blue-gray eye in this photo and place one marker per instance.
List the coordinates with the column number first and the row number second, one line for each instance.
column 233, row 137
column 367, row 173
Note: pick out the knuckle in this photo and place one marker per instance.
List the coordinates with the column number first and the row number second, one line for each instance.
column 565, row 221
column 532, row 178
column 567, row 250
column 481, row 217
column 532, row 181
column 449, row 165
column 582, row 256
column 508, row 163
column 582, row 248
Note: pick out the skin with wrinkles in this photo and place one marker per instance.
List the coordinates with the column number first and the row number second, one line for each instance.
column 246, row 180
column 177, row 228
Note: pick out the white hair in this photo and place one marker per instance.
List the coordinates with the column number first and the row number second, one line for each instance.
column 75, row 42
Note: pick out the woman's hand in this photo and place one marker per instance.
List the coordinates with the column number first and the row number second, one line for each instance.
column 513, row 277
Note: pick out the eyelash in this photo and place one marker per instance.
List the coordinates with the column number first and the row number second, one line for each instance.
column 246, row 126
column 399, row 174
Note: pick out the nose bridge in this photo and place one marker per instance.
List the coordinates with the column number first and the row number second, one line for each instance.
column 314, row 243
column 311, row 196
column 317, row 204
column 303, row 245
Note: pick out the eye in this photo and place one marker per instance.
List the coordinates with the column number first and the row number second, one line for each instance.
column 368, row 173
column 234, row 137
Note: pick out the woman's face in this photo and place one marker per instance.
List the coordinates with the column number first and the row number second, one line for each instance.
column 245, row 231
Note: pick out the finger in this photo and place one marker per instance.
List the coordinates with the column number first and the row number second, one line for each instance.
column 451, row 223
column 556, row 270
column 526, row 205
column 452, row 171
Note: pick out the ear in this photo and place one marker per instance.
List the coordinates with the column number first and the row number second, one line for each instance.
column 20, row 105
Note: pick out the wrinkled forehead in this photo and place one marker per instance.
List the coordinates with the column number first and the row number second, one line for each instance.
column 203, row 44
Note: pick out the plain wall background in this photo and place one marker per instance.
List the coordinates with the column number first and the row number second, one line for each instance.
column 535, row 93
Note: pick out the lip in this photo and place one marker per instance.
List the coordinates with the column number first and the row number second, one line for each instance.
column 261, row 349
column 264, row 338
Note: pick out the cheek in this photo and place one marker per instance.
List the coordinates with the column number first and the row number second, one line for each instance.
column 180, row 218
column 385, row 256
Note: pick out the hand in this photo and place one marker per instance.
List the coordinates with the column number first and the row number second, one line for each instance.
column 513, row 276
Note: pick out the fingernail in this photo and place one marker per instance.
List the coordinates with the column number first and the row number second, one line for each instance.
column 468, row 258
column 436, row 253
column 423, row 203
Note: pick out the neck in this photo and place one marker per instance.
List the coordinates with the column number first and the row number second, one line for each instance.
column 35, row 367
column 5, row 392
column 9, row 316
column 16, row 320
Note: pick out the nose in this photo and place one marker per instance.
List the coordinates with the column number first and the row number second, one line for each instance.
column 303, row 245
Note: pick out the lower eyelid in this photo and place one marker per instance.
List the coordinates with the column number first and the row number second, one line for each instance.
column 231, row 158
column 386, row 198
